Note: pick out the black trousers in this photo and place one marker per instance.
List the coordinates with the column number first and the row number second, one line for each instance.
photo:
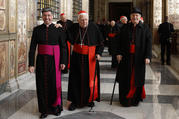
column 165, row 48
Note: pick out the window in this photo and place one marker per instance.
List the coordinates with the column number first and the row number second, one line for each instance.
column 77, row 6
column 157, row 13
column 53, row 4
column 173, row 12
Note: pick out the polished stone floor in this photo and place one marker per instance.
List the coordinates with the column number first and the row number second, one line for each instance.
column 162, row 101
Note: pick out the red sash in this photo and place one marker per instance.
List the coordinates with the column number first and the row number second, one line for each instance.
column 90, row 51
column 111, row 35
column 54, row 50
column 132, row 48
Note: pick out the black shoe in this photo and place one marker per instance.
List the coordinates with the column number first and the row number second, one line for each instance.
column 58, row 113
column 60, row 108
column 57, row 110
column 72, row 107
column 91, row 104
column 162, row 63
column 65, row 71
column 135, row 104
column 42, row 116
column 125, row 105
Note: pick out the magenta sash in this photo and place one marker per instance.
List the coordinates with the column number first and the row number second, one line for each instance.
column 54, row 50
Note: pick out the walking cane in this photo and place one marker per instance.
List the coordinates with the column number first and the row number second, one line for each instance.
column 91, row 109
column 113, row 91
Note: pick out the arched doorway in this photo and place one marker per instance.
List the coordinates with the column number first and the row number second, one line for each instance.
column 119, row 9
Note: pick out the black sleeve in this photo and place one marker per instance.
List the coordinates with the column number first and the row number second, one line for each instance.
column 107, row 31
column 58, row 22
column 117, row 29
column 70, row 34
column 121, row 38
column 159, row 29
column 33, row 46
column 99, row 49
column 172, row 29
column 100, row 45
column 63, row 48
column 148, row 43
column 71, row 23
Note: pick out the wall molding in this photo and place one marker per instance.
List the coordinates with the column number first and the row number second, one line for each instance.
column 8, row 36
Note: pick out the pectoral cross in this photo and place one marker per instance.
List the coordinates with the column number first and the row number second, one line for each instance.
column 81, row 44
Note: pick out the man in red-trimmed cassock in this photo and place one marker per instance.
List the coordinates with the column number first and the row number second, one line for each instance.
column 133, row 53
column 51, row 59
column 66, row 24
column 112, row 38
column 84, row 80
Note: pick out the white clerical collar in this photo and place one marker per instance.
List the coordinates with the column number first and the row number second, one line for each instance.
column 48, row 24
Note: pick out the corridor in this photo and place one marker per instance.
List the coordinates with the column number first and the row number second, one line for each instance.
column 162, row 87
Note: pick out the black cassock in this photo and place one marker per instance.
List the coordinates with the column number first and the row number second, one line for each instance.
column 47, row 38
column 112, row 35
column 66, row 25
column 131, row 69
column 78, row 86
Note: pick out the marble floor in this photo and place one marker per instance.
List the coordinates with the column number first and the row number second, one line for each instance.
column 162, row 100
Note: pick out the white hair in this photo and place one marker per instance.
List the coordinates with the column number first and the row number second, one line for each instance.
column 83, row 14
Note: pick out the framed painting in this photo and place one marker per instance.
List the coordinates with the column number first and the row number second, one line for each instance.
column 2, row 20
column 12, row 58
column 12, row 16
column 3, row 62
column 22, row 36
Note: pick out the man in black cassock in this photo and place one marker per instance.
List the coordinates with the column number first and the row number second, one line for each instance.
column 51, row 59
column 123, row 20
column 165, row 31
column 112, row 38
column 133, row 53
column 84, row 80
column 66, row 24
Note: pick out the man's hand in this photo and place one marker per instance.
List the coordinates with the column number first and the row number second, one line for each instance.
column 147, row 61
column 71, row 49
column 98, row 57
column 31, row 69
column 107, row 39
column 119, row 58
column 58, row 25
column 62, row 66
